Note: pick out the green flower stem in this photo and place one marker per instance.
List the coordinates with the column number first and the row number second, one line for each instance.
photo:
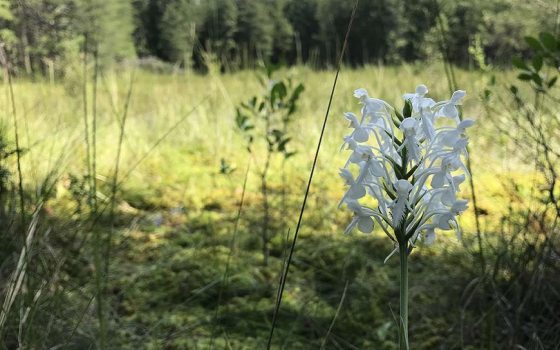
column 403, row 339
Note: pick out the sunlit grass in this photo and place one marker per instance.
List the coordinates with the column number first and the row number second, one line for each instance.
column 178, row 209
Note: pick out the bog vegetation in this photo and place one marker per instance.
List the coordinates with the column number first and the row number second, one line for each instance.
column 153, row 162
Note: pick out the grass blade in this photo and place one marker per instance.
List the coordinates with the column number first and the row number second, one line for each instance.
column 287, row 270
column 324, row 343
column 225, row 276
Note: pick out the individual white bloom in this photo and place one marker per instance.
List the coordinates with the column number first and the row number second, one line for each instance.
column 362, row 218
column 360, row 133
column 427, row 118
column 400, row 205
column 453, row 156
column 373, row 170
column 430, row 235
column 356, row 190
column 449, row 196
column 450, row 137
column 446, row 220
column 449, row 108
column 443, row 176
column 388, row 148
column 370, row 105
column 410, row 128
column 359, row 152
column 419, row 102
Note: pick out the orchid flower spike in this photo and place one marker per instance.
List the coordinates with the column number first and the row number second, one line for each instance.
column 409, row 164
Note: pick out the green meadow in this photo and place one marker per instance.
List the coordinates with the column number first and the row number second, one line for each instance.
column 173, row 225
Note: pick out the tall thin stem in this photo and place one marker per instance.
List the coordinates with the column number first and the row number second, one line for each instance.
column 310, row 179
column 86, row 122
column 4, row 61
column 266, row 214
column 403, row 338
column 452, row 82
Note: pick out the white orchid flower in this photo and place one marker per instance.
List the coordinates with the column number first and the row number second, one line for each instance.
column 371, row 106
column 356, row 190
column 430, row 235
column 411, row 167
column 419, row 102
column 446, row 220
column 360, row 133
column 449, row 196
column 450, row 137
column 449, row 108
column 362, row 218
column 409, row 127
column 401, row 204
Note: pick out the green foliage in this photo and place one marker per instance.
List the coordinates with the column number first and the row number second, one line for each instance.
column 108, row 26
column 219, row 29
column 245, row 33
column 276, row 107
column 177, row 28
column 254, row 32
column 175, row 217
column 7, row 35
column 546, row 50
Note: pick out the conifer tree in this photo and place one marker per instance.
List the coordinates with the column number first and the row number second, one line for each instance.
column 255, row 31
column 177, row 28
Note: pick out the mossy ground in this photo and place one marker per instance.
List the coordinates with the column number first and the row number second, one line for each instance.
column 176, row 215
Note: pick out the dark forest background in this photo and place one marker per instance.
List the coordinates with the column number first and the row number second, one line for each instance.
column 45, row 35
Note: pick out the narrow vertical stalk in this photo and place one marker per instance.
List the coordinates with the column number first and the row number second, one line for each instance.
column 310, row 179
column 102, row 260
column 225, row 276
column 264, row 190
column 6, row 64
column 452, row 83
column 403, row 338
column 85, row 106
column 94, row 131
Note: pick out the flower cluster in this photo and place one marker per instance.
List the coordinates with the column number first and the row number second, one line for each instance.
column 411, row 165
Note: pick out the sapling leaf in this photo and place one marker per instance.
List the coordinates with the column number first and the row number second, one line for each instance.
column 537, row 79
column 289, row 154
column 519, row 63
column 537, row 62
column 533, row 43
column 282, row 144
column 548, row 41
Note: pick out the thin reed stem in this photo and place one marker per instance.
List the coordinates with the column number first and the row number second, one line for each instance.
column 223, row 285
column 94, row 131
column 6, row 63
column 339, row 307
column 114, row 182
column 306, row 195
column 452, row 83
column 86, row 119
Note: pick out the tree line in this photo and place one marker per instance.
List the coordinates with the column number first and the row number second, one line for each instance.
column 42, row 35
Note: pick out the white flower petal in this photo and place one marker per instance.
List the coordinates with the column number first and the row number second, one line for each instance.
column 365, row 224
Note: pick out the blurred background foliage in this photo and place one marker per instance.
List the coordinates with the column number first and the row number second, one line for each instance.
column 168, row 252
column 43, row 34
